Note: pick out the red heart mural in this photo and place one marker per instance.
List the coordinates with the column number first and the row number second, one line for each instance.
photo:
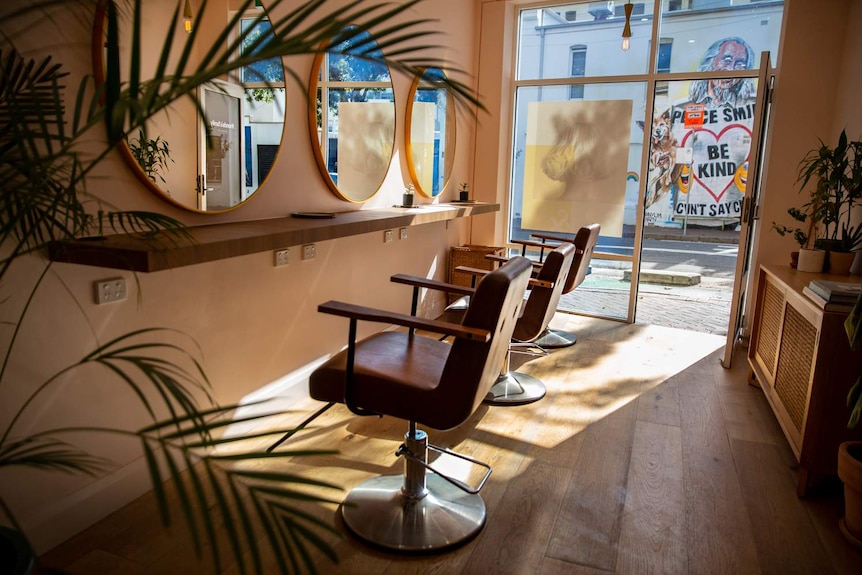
column 701, row 166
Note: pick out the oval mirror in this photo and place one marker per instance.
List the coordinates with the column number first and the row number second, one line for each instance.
column 215, row 161
column 430, row 133
column 352, row 116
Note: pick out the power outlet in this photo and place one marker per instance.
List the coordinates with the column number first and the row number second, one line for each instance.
column 309, row 251
column 106, row 291
column 387, row 236
column 402, row 233
column 282, row 257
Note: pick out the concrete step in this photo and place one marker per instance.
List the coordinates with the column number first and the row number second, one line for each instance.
column 661, row 277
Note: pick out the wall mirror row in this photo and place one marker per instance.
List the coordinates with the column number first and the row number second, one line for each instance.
column 215, row 158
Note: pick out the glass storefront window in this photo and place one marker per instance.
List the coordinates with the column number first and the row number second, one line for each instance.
column 595, row 28
column 572, row 75
column 576, row 160
column 710, row 36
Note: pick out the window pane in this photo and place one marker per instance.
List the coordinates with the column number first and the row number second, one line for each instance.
column 576, row 162
column 259, row 33
column 719, row 36
column 547, row 35
column 347, row 65
column 665, row 49
column 579, row 63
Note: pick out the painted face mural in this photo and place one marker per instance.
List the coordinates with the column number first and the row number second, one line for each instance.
column 699, row 169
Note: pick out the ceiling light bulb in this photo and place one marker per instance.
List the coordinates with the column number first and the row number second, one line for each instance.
column 627, row 29
column 187, row 17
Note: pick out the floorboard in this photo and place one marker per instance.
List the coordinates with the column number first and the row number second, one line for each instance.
column 645, row 456
column 652, row 537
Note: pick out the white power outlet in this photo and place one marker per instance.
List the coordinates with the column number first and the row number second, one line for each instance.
column 282, row 257
column 402, row 233
column 387, row 236
column 309, row 251
column 106, row 291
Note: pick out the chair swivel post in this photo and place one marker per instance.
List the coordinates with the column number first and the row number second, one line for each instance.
column 416, row 445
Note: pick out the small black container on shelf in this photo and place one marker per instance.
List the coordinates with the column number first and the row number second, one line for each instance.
column 464, row 193
column 407, row 196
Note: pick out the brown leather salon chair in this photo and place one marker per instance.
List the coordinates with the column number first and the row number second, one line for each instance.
column 585, row 241
column 429, row 382
column 545, row 289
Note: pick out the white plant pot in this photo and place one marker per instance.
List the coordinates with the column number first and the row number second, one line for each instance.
column 811, row 260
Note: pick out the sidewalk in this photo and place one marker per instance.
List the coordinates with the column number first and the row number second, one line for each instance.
column 704, row 307
column 693, row 234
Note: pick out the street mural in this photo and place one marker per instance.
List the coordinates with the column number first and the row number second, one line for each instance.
column 699, row 145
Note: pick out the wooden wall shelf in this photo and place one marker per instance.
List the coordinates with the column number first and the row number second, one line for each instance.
column 219, row 241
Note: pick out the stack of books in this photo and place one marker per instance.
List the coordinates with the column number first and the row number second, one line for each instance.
column 835, row 292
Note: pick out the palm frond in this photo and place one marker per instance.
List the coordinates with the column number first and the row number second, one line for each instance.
column 44, row 171
column 49, row 454
column 37, row 204
column 247, row 498
column 309, row 28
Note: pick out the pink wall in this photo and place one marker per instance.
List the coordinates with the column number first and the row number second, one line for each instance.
column 810, row 102
column 254, row 324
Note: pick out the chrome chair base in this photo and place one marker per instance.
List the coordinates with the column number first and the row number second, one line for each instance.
column 378, row 512
column 556, row 338
column 514, row 388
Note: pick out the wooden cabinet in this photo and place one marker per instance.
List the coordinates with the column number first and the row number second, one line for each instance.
column 800, row 357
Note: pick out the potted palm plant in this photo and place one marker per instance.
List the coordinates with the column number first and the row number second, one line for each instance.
column 836, row 174
column 44, row 198
column 152, row 154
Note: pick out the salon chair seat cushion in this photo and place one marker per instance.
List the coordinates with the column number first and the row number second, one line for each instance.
column 393, row 374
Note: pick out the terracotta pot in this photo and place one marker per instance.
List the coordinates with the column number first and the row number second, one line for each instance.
column 856, row 268
column 850, row 472
column 811, row 260
column 840, row 262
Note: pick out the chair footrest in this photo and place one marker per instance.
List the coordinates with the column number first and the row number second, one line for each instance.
column 463, row 486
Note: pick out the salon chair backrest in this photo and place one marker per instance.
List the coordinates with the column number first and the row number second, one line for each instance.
column 585, row 242
column 541, row 303
column 473, row 367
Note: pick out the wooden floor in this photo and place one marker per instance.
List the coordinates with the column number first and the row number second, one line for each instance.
column 646, row 456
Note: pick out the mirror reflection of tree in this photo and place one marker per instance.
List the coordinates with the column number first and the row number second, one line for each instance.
column 347, row 78
column 264, row 106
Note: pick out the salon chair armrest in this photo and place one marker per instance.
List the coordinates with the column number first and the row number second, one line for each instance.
column 496, row 258
column 417, row 281
column 359, row 312
column 532, row 244
column 536, row 265
column 553, row 237
column 479, row 272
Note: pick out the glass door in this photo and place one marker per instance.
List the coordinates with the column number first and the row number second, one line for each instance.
column 750, row 208
column 222, row 173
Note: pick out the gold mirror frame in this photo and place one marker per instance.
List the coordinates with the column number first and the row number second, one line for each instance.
column 372, row 124
column 427, row 122
column 247, row 104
